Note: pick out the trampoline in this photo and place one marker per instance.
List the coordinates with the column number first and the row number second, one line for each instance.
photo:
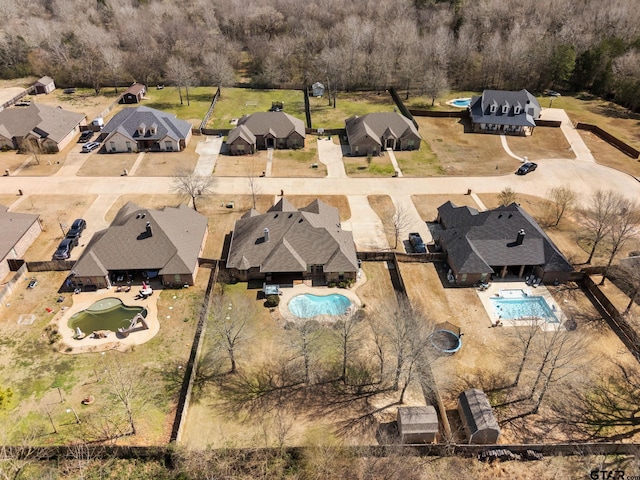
column 446, row 341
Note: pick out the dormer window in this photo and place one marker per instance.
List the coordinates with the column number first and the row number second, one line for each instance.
column 494, row 107
column 142, row 128
column 153, row 129
column 517, row 110
column 505, row 108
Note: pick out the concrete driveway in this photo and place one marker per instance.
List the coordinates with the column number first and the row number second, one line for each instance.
column 209, row 150
column 331, row 155
column 367, row 228
column 405, row 204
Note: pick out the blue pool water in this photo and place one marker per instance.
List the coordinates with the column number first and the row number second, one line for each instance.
column 526, row 307
column 461, row 102
column 308, row 306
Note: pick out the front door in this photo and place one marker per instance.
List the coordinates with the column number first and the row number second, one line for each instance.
column 391, row 143
column 269, row 142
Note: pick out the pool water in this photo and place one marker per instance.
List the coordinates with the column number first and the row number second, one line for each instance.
column 105, row 314
column 461, row 102
column 522, row 308
column 308, row 306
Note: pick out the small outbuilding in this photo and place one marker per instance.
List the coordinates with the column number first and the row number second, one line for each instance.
column 133, row 94
column 317, row 89
column 477, row 417
column 417, row 424
column 44, row 85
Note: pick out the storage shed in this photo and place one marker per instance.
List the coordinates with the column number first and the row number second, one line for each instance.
column 417, row 424
column 477, row 417
column 317, row 89
column 133, row 94
column 45, row 85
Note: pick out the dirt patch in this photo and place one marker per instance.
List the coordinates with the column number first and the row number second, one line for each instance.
column 427, row 205
column 84, row 100
column 107, row 165
column 338, row 201
column 385, row 209
column 167, row 164
column 375, row 166
column 608, row 155
column 241, row 165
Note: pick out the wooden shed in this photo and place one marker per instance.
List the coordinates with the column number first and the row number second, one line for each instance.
column 317, row 89
column 417, row 424
column 477, row 417
column 44, row 85
column 133, row 94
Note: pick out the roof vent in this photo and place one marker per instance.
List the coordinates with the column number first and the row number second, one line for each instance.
column 290, row 215
column 520, row 237
column 500, row 216
column 149, row 231
column 266, row 234
column 138, row 216
column 143, row 215
column 300, row 221
column 275, row 216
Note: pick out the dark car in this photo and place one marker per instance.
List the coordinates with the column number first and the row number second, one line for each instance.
column 416, row 242
column 76, row 229
column 526, row 168
column 85, row 136
column 64, row 249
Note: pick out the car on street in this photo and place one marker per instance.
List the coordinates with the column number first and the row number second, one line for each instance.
column 85, row 136
column 417, row 243
column 526, row 168
column 76, row 229
column 64, row 248
column 89, row 147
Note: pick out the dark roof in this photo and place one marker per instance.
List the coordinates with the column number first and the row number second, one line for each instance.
column 418, row 419
column 279, row 124
column 476, row 241
column 297, row 238
column 375, row 126
column 172, row 248
column 477, row 411
column 43, row 120
column 13, row 227
column 127, row 121
column 526, row 104
column 135, row 89
column 243, row 133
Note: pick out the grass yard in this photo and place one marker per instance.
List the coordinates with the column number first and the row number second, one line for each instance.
column 84, row 100
column 545, row 142
column 609, row 155
column 419, row 163
column 233, row 103
column 43, row 165
column 348, row 104
column 375, row 166
column 168, row 100
column 241, row 165
column 338, row 201
column 298, row 163
column 167, row 164
column 422, row 102
column 107, row 164
column 427, row 205
column 385, row 209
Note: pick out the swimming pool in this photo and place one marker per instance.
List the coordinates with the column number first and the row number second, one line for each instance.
column 461, row 102
column 523, row 308
column 105, row 314
column 308, row 306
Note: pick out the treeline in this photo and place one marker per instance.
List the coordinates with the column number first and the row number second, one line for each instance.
column 418, row 45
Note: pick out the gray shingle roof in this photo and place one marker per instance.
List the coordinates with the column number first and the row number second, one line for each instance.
column 477, row 411
column 13, row 226
column 241, row 132
column 418, row 419
column 529, row 108
column 127, row 121
column 51, row 122
column 374, row 126
column 279, row 124
column 476, row 241
column 297, row 239
column 173, row 247
column 44, row 81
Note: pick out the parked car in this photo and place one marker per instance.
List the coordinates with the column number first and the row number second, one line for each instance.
column 89, row 147
column 85, row 136
column 416, row 242
column 526, row 168
column 553, row 93
column 69, row 90
column 76, row 229
column 64, row 249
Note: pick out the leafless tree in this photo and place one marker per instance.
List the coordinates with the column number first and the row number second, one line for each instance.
column 18, row 454
column 598, row 216
column 507, row 196
column 346, row 327
column 398, row 223
column 230, row 323
column 113, row 62
column 559, row 200
column 192, row 185
column 305, row 341
column 628, row 273
column 525, row 333
column 32, row 146
column 625, row 226
column 252, row 179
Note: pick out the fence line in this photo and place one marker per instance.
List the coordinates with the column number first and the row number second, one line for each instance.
column 610, row 139
column 207, row 115
column 400, row 104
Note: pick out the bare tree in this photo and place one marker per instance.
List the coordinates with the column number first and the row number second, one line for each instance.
column 624, row 227
column 192, row 185
column 507, row 196
column 525, row 334
column 346, row 326
column 628, row 272
column 598, row 216
column 398, row 223
column 252, row 178
column 32, row 146
column 559, row 200
column 230, row 321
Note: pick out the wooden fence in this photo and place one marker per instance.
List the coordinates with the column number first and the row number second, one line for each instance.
column 610, row 139
column 437, row 114
column 207, row 115
column 548, row 123
column 389, row 256
column 27, row 91
column 400, row 104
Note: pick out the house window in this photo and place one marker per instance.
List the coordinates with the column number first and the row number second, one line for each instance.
column 168, row 146
column 505, row 108
column 128, row 146
column 240, row 148
column 516, row 110
column 356, row 149
column 463, row 278
column 493, row 108
column 411, row 143
column 113, row 146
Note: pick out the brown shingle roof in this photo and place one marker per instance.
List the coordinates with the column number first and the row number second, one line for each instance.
column 12, row 227
column 51, row 122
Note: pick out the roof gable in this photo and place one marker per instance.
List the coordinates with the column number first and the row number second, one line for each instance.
column 128, row 120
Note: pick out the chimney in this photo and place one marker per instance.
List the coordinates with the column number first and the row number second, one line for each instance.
column 266, row 234
column 520, row 237
column 149, row 232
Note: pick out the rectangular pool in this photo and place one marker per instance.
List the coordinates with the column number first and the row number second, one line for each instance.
column 523, row 308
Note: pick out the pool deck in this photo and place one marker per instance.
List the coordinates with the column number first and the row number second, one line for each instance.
column 540, row 291
column 84, row 300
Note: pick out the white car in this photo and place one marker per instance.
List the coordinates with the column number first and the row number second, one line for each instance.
column 88, row 147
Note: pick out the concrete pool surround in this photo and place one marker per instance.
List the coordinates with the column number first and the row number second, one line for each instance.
column 289, row 293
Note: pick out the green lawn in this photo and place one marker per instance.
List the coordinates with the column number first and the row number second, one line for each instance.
column 424, row 103
column 236, row 102
column 347, row 105
column 168, row 100
column 419, row 163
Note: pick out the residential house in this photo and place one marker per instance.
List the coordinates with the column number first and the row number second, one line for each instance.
column 50, row 129
column 417, row 424
column 287, row 244
column 264, row 130
column 374, row 132
column 499, row 242
column 477, row 417
column 133, row 94
column 44, row 85
column 145, row 243
column 19, row 231
column 502, row 111
column 139, row 129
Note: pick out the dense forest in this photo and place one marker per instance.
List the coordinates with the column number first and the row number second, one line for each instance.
column 420, row 45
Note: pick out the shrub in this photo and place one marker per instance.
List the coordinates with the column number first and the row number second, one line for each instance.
column 332, row 285
column 272, row 301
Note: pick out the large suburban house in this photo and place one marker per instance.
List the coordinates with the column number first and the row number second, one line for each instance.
column 287, row 244
column 139, row 129
column 496, row 243
column 374, row 132
column 503, row 111
column 150, row 243
column 264, row 130
column 49, row 129
column 19, row 230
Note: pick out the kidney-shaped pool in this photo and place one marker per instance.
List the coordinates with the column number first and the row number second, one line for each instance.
column 105, row 314
column 308, row 306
